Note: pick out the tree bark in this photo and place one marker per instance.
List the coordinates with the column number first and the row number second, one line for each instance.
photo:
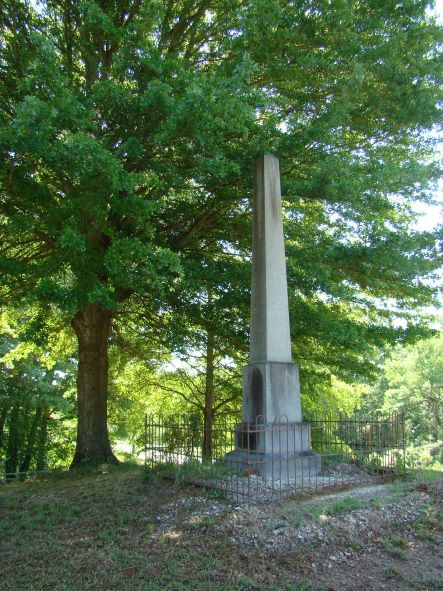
column 433, row 402
column 208, row 410
column 40, row 459
column 92, row 326
column 12, row 452
column 3, row 417
column 30, row 444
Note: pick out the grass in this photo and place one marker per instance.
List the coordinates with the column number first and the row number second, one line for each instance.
column 342, row 506
column 191, row 471
column 296, row 514
column 429, row 584
column 377, row 502
column 428, row 526
column 395, row 546
column 393, row 574
column 432, row 474
column 98, row 529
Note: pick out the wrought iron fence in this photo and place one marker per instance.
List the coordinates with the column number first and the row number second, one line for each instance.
column 28, row 474
column 268, row 463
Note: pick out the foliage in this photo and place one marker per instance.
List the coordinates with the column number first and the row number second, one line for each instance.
column 36, row 408
column 128, row 132
column 412, row 382
column 428, row 456
column 330, row 395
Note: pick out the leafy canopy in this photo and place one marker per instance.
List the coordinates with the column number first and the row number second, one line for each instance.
column 128, row 131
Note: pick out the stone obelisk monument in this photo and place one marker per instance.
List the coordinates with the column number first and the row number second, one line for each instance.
column 272, row 437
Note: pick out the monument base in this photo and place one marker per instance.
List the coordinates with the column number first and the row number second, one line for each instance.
column 277, row 451
column 291, row 466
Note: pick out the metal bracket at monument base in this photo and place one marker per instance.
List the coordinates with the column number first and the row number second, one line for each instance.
column 277, row 450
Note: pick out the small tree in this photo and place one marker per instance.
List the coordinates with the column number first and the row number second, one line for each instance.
column 33, row 408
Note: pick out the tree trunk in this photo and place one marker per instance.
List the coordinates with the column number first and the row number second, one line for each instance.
column 208, row 411
column 40, row 459
column 92, row 326
column 13, row 440
column 3, row 417
column 30, row 444
column 433, row 402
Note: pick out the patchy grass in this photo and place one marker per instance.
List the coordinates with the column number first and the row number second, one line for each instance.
column 105, row 529
column 429, row 525
column 429, row 584
column 342, row 506
column 99, row 529
column 395, row 546
column 393, row 574
column 190, row 472
column 377, row 502
column 432, row 474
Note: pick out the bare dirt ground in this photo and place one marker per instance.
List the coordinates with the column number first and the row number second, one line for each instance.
column 113, row 531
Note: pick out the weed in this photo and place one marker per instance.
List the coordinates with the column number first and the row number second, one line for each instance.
column 428, row 525
column 429, row 475
column 216, row 494
column 194, row 471
column 397, row 553
column 342, row 506
column 394, row 546
column 355, row 547
column 302, row 586
column 246, row 583
column 189, row 472
column 376, row 502
column 108, row 536
column 315, row 513
column 204, row 524
column 432, row 518
column 399, row 541
column 298, row 519
column 398, row 488
column 430, row 584
column 391, row 574
column 296, row 514
column 425, row 535
column 159, row 472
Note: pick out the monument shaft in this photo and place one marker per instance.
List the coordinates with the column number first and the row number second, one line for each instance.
column 270, row 334
column 270, row 382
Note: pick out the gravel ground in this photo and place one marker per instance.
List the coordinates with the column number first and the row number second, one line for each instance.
column 257, row 489
column 377, row 537
column 278, row 531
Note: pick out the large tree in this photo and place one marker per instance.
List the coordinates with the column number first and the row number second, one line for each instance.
column 128, row 134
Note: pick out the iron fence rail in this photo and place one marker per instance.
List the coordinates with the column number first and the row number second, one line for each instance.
column 347, row 450
column 5, row 476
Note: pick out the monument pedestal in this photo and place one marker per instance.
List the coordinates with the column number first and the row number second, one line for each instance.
column 271, row 392
column 272, row 440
